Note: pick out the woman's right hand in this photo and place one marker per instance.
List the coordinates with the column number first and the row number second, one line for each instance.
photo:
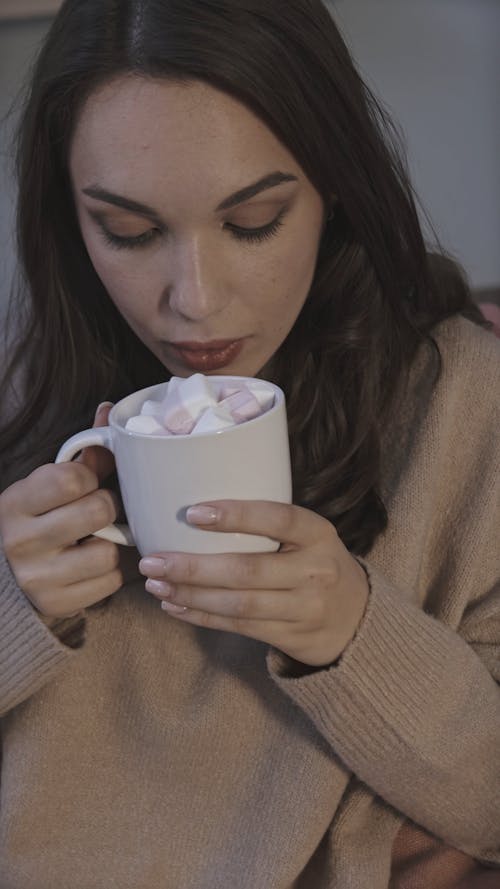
column 45, row 523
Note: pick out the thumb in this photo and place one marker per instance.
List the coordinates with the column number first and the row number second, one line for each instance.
column 100, row 460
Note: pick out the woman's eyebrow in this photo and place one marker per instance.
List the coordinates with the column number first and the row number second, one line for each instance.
column 244, row 194
column 117, row 200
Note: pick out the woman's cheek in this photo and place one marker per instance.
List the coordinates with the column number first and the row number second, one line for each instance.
column 125, row 280
column 293, row 278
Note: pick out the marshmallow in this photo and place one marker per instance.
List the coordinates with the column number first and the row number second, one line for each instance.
column 172, row 384
column 184, row 405
column 198, row 405
column 260, row 391
column 242, row 405
column 213, row 420
column 264, row 395
column 151, row 409
column 223, row 390
column 146, row 425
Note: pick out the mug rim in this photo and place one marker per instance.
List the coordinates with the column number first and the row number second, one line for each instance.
column 279, row 394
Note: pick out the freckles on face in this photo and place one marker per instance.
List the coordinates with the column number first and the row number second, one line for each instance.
column 280, row 289
column 199, row 222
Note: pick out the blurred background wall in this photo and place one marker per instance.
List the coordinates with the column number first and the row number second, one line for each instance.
column 436, row 66
column 19, row 40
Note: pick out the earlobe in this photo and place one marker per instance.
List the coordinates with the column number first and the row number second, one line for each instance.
column 330, row 211
column 332, row 208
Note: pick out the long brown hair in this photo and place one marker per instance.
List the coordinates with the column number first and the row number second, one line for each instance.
column 376, row 294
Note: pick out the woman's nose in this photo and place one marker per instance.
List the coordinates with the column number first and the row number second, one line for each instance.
column 196, row 289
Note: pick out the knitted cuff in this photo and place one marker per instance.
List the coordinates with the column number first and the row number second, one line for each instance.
column 31, row 652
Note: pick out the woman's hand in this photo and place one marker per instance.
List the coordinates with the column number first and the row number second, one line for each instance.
column 306, row 600
column 45, row 523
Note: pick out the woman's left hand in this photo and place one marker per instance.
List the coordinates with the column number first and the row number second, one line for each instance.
column 307, row 599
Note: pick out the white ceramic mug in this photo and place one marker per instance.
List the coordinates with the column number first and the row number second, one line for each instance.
column 161, row 476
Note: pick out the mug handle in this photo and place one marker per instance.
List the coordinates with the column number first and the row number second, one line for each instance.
column 100, row 436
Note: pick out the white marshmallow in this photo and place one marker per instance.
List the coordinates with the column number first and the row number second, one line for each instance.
column 264, row 395
column 151, row 409
column 197, row 404
column 172, row 384
column 145, row 425
column 213, row 420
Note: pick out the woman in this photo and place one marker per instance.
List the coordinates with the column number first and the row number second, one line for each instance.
column 205, row 185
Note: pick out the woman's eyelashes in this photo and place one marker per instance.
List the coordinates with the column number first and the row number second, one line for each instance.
column 254, row 235
column 121, row 242
column 250, row 235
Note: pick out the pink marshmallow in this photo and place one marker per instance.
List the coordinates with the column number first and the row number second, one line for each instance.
column 182, row 408
column 242, row 405
column 224, row 391
column 177, row 419
column 198, row 404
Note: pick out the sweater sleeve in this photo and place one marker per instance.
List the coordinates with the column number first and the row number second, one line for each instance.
column 415, row 714
column 33, row 649
column 413, row 707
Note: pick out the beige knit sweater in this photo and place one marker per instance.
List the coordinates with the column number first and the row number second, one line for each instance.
column 144, row 753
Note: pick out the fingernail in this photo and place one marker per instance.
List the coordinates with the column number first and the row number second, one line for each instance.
column 158, row 587
column 173, row 609
column 102, row 405
column 150, row 565
column 202, row 515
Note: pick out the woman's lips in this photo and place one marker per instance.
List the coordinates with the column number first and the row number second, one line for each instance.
column 203, row 357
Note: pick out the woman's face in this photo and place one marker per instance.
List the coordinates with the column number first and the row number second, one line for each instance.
column 200, row 224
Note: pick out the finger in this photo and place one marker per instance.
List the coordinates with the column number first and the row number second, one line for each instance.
column 99, row 460
column 242, row 571
column 92, row 513
column 282, row 522
column 242, row 604
column 90, row 559
column 50, row 487
column 80, row 595
column 271, row 632
column 65, row 525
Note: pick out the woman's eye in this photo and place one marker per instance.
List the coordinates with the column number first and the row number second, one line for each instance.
column 250, row 235
column 121, row 241
column 254, row 235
